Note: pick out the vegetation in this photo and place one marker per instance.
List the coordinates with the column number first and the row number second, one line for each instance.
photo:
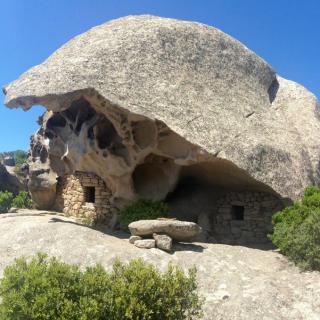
column 6, row 199
column 19, row 156
column 21, row 200
column 297, row 230
column 142, row 209
column 50, row 289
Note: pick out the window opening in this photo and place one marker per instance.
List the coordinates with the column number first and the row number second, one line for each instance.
column 89, row 194
column 237, row 212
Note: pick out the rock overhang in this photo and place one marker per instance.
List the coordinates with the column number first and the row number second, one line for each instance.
column 203, row 85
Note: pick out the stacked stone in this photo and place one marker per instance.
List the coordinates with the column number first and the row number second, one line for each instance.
column 160, row 241
column 257, row 217
column 71, row 197
column 163, row 232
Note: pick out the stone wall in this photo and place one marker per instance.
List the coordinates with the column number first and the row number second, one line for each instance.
column 232, row 217
column 245, row 217
column 84, row 195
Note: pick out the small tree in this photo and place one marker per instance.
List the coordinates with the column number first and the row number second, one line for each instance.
column 5, row 201
column 22, row 200
column 297, row 230
column 20, row 157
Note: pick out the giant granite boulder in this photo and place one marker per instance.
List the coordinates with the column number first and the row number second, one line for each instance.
column 141, row 100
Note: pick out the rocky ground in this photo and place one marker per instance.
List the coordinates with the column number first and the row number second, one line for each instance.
column 237, row 282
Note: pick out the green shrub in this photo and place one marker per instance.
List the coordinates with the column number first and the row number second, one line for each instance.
column 50, row 289
column 142, row 209
column 22, row 200
column 5, row 201
column 297, row 230
column 20, row 157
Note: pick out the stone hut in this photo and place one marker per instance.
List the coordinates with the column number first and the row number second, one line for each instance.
column 170, row 110
column 245, row 217
column 84, row 195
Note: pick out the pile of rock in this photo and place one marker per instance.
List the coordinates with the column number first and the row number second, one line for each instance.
column 159, row 234
column 160, row 241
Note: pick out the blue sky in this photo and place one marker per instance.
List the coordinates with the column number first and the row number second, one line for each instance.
column 285, row 33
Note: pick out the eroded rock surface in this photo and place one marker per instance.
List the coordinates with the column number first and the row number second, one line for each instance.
column 177, row 230
column 144, row 102
column 238, row 283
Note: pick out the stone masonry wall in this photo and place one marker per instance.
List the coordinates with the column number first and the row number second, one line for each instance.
column 71, row 197
column 250, row 226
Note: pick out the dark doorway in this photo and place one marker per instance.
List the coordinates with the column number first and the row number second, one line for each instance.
column 89, row 194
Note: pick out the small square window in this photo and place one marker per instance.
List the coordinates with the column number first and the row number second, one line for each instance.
column 237, row 212
column 89, row 194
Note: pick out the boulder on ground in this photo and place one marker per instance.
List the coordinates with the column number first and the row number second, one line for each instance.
column 133, row 239
column 142, row 102
column 163, row 242
column 178, row 230
column 145, row 243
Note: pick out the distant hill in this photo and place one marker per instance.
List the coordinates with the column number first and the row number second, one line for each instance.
column 20, row 156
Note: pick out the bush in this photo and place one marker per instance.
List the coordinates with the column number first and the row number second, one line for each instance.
column 5, row 201
column 297, row 230
column 20, row 157
column 22, row 200
column 142, row 209
column 50, row 289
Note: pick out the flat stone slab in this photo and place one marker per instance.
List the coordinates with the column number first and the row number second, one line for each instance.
column 145, row 243
column 178, row 230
